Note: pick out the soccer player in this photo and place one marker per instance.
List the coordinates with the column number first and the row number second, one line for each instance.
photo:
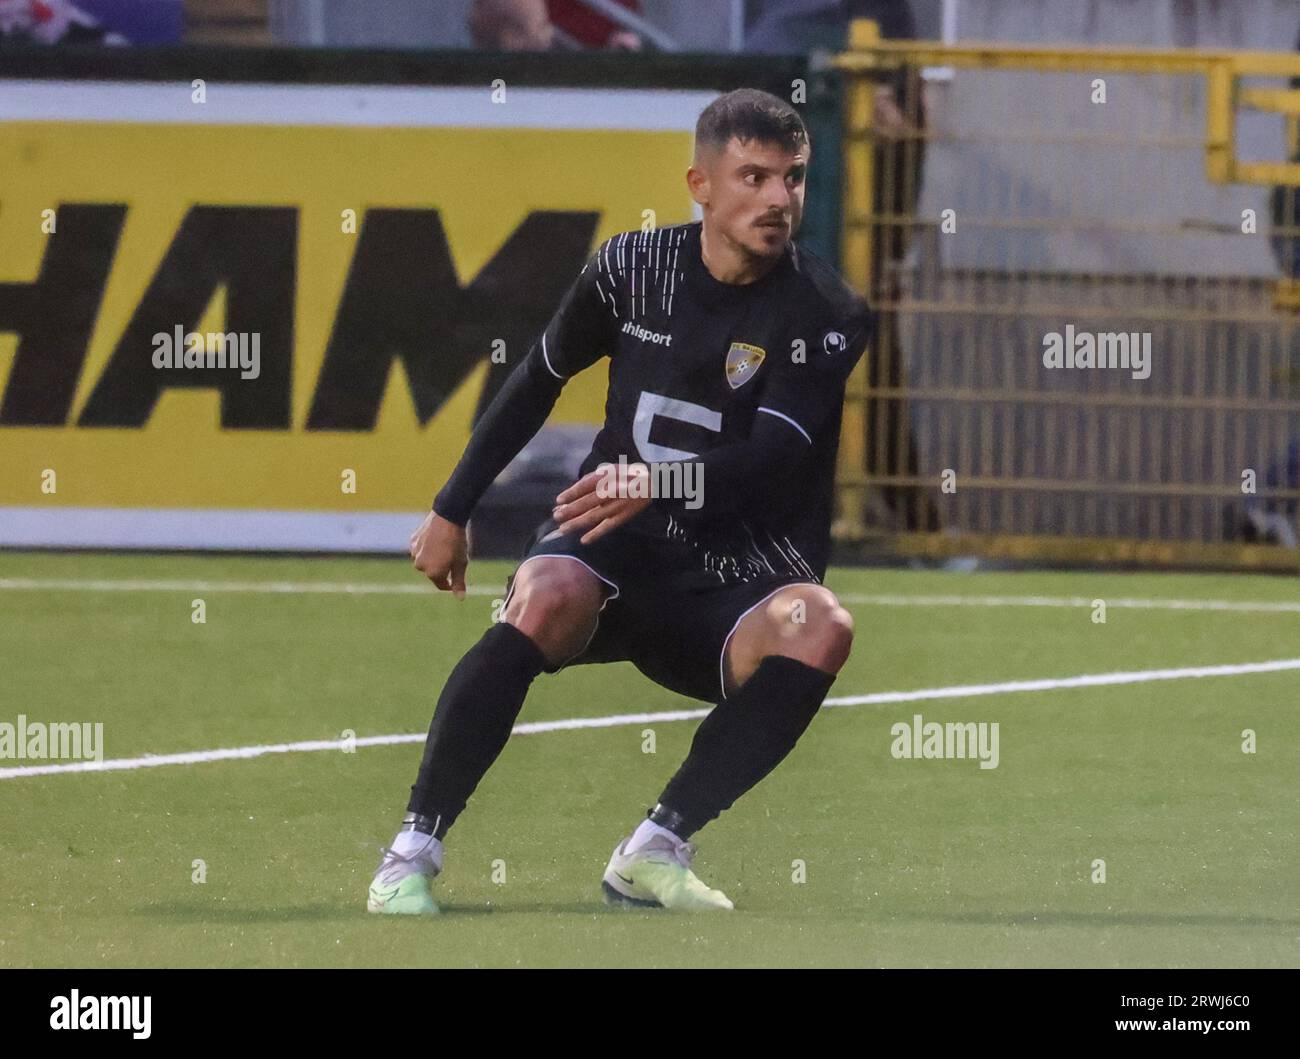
column 729, row 347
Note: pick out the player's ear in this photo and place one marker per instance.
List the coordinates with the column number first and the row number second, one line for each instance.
column 697, row 183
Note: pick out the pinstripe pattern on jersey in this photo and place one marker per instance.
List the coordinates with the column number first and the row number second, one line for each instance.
column 737, row 560
column 639, row 264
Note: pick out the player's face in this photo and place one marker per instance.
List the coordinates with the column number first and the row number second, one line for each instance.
column 753, row 193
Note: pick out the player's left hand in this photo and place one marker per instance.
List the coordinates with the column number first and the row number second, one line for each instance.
column 603, row 500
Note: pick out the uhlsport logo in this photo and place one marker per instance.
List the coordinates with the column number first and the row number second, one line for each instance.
column 644, row 334
column 742, row 363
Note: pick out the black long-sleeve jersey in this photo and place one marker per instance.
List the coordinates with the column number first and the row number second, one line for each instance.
column 744, row 380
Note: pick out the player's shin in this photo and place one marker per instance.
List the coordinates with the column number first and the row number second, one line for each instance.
column 473, row 719
column 741, row 740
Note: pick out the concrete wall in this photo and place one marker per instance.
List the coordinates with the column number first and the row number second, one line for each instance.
column 1034, row 147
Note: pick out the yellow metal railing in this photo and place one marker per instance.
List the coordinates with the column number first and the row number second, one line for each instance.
column 959, row 435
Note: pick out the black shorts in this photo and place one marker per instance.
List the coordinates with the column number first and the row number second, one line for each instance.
column 664, row 611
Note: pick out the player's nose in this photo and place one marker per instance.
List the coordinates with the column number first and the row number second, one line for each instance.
column 778, row 197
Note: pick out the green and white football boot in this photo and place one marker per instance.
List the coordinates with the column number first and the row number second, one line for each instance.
column 658, row 875
column 401, row 886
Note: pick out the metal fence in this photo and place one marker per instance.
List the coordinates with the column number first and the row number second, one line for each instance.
column 1086, row 351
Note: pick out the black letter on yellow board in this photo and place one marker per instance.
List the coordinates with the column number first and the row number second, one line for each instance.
column 55, row 314
column 403, row 301
column 252, row 251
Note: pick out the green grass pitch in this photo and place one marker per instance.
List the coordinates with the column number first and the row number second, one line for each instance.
column 907, row 862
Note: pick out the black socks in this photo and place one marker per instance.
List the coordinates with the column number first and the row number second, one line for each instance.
column 475, row 713
column 743, row 739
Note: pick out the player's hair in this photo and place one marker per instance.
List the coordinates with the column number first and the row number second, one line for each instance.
column 749, row 114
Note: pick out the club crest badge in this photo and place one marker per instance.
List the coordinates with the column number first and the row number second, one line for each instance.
column 742, row 362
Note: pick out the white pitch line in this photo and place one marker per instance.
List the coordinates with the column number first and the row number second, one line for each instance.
column 1260, row 606
column 1141, row 676
column 290, row 588
column 1088, row 680
column 416, row 588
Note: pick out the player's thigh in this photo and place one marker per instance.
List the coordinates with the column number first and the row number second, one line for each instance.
column 678, row 631
column 555, row 600
column 803, row 621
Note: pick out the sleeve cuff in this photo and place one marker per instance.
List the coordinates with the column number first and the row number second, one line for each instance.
column 448, row 512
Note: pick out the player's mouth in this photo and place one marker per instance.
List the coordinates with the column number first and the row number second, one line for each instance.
column 774, row 231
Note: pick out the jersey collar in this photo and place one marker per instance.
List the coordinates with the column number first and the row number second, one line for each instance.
column 704, row 282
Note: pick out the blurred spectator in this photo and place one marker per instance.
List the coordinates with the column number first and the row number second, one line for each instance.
column 545, row 25
column 1272, row 520
column 801, row 26
column 52, row 22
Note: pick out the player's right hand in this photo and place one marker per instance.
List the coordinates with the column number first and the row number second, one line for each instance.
column 440, row 551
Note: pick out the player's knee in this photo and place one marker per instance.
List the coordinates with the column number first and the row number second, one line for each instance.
column 554, row 602
column 810, row 625
column 835, row 639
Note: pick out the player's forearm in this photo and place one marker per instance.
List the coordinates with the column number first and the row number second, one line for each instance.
column 727, row 479
column 515, row 415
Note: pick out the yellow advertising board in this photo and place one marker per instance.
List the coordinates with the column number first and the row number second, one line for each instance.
column 381, row 277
